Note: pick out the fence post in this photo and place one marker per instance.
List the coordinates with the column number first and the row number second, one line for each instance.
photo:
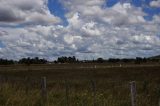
column 133, row 93
column 6, row 79
column 67, row 92
column 0, row 83
column 94, row 92
column 44, row 89
column 26, row 84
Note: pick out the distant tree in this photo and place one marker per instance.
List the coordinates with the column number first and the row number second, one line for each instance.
column 112, row 60
column 127, row 60
column 138, row 60
column 29, row 61
column 6, row 62
column 100, row 60
column 67, row 59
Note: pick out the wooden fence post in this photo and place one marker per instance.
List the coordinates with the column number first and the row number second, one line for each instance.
column 0, row 83
column 133, row 93
column 44, row 89
column 6, row 79
column 67, row 93
column 26, row 84
column 93, row 92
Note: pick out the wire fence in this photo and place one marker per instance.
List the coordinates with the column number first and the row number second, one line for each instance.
column 45, row 92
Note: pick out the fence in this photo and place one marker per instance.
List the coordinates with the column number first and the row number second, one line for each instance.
column 91, row 96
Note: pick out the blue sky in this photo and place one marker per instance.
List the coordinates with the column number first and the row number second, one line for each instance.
column 85, row 28
column 57, row 9
column 1, row 45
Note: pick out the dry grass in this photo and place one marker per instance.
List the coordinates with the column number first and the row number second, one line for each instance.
column 20, row 85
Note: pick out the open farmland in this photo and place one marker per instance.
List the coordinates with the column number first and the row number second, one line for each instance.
column 79, row 85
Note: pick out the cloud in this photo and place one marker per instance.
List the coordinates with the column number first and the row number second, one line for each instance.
column 26, row 11
column 155, row 3
column 92, row 31
column 93, row 11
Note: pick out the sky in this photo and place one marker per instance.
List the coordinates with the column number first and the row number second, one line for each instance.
column 87, row 29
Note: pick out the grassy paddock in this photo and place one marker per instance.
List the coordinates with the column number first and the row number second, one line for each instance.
column 79, row 85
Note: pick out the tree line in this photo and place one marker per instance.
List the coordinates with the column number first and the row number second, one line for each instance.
column 27, row 61
column 73, row 59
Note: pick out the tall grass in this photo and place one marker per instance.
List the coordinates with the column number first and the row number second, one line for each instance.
column 79, row 87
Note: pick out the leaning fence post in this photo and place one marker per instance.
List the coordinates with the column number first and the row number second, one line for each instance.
column 44, row 89
column 133, row 93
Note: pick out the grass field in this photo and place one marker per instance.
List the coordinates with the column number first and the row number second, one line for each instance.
column 79, row 85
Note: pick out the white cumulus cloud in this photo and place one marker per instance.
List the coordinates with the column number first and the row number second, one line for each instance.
column 155, row 3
